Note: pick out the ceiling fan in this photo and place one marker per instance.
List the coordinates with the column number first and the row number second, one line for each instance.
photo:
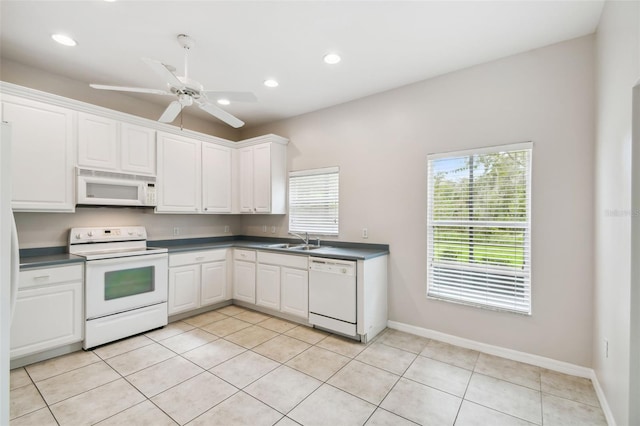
column 187, row 90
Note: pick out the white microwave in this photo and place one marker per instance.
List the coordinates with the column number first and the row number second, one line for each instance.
column 102, row 188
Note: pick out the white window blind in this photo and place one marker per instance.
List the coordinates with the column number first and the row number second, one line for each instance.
column 313, row 201
column 479, row 227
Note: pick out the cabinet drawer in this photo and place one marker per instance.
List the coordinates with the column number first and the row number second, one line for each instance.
column 248, row 255
column 299, row 262
column 192, row 257
column 46, row 276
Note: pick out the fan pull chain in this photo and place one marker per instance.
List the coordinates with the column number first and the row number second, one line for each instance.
column 181, row 110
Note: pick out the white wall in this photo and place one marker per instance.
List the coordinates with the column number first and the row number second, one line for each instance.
column 618, row 71
column 381, row 145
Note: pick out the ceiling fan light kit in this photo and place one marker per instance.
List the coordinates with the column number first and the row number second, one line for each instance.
column 187, row 90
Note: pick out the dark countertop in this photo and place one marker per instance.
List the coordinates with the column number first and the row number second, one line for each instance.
column 41, row 261
column 328, row 249
column 57, row 256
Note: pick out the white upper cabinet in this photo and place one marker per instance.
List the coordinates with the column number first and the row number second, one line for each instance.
column 97, row 142
column 137, row 149
column 179, row 174
column 108, row 144
column 216, row 178
column 196, row 173
column 193, row 176
column 263, row 176
column 246, row 180
column 43, row 152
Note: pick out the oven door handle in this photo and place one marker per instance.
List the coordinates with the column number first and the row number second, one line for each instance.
column 121, row 260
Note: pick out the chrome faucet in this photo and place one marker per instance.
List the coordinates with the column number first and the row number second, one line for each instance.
column 305, row 238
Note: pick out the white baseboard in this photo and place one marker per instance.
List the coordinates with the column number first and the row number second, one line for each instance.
column 608, row 414
column 537, row 360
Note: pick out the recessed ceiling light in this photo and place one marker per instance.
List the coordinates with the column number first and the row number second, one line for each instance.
column 332, row 58
column 64, row 39
column 224, row 101
column 271, row 83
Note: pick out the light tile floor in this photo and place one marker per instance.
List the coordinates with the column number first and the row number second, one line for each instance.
column 234, row 366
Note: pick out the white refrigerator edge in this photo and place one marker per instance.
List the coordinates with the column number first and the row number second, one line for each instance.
column 9, row 268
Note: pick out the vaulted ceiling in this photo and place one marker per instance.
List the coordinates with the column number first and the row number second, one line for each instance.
column 239, row 44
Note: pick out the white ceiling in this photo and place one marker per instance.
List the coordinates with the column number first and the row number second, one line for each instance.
column 384, row 44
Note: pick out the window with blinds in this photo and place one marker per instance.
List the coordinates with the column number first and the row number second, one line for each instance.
column 479, row 227
column 313, row 201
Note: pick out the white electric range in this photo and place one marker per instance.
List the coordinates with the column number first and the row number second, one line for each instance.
column 125, row 282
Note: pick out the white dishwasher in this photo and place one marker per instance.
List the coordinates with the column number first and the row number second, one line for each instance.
column 332, row 295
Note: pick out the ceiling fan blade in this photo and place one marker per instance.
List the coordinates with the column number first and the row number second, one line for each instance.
column 171, row 112
column 231, row 96
column 164, row 72
column 221, row 114
column 130, row 89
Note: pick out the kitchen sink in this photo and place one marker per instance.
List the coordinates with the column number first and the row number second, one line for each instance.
column 280, row 245
column 288, row 246
column 304, row 247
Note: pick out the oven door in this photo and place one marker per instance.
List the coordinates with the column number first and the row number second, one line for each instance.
column 124, row 283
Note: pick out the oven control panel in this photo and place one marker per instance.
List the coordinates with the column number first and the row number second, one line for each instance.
column 107, row 234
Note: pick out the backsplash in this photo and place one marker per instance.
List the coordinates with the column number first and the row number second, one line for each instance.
column 52, row 229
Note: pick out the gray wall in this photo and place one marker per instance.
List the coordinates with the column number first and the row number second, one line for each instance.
column 381, row 145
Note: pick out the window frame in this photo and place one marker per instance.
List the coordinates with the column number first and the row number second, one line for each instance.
column 335, row 170
column 527, row 242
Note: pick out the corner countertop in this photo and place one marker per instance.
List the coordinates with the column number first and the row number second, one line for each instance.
column 328, row 249
column 58, row 256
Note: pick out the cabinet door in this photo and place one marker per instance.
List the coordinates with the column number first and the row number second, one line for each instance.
column 137, row 149
column 262, row 178
column 244, row 281
column 97, row 142
column 46, row 318
column 184, row 288
column 216, row 178
column 178, row 174
column 246, row 180
column 268, row 286
column 43, row 155
column 295, row 292
column 213, row 283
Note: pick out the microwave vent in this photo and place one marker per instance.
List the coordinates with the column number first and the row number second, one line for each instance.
column 115, row 175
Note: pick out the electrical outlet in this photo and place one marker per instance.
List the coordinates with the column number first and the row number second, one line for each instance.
column 365, row 233
column 176, row 231
column 606, row 348
column 264, row 228
column 226, row 228
column 273, row 229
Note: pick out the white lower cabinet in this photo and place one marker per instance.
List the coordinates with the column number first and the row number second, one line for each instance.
column 283, row 283
column 49, row 311
column 294, row 291
column 244, row 275
column 184, row 283
column 197, row 279
column 268, row 286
